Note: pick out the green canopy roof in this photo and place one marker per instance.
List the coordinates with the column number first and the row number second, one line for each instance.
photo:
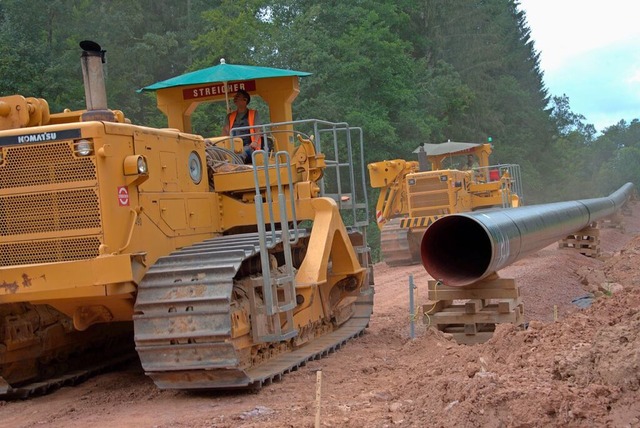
column 450, row 147
column 223, row 73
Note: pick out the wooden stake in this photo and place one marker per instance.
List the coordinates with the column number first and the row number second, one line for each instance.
column 318, row 396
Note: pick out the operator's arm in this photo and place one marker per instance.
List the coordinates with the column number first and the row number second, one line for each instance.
column 226, row 127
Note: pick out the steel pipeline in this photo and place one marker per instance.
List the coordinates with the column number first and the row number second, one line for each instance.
column 460, row 249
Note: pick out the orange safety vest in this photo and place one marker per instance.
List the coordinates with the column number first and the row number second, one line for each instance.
column 252, row 121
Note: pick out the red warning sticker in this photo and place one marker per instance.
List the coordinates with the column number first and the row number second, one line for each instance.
column 123, row 196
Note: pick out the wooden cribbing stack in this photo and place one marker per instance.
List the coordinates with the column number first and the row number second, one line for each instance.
column 471, row 313
column 585, row 241
column 465, row 250
column 615, row 221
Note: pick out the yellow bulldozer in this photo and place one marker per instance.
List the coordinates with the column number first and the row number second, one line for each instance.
column 447, row 178
column 115, row 235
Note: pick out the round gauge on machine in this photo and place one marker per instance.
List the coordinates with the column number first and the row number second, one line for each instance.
column 195, row 167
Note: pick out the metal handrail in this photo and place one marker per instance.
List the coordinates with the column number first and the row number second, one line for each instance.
column 357, row 188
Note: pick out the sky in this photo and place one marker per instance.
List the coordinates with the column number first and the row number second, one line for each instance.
column 590, row 51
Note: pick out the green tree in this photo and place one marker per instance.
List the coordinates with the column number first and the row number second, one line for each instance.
column 145, row 40
column 615, row 155
column 622, row 168
column 488, row 44
column 35, row 62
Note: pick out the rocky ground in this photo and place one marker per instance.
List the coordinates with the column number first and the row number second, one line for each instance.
column 573, row 366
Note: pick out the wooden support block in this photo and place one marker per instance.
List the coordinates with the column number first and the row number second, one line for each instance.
column 585, row 241
column 433, row 307
column 590, row 252
column 484, row 304
column 506, row 306
column 457, row 308
column 614, row 221
column 493, row 283
column 500, row 288
column 487, row 315
column 473, row 306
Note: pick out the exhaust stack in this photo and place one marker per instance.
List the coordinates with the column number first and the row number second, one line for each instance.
column 94, row 87
column 461, row 249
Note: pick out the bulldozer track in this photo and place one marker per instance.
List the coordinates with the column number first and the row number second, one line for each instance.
column 395, row 244
column 69, row 378
column 183, row 321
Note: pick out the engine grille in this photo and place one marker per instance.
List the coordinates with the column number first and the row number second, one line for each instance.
column 428, row 195
column 48, row 251
column 427, row 183
column 56, row 213
column 49, row 212
column 36, row 165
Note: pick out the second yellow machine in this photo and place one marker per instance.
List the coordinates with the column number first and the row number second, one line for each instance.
column 448, row 178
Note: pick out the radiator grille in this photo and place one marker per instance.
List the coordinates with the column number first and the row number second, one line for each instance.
column 55, row 214
column 428, row 195
column 49, row 251
column 36, row 165
column 49, row 212
column 428, row 183
column 425, row 201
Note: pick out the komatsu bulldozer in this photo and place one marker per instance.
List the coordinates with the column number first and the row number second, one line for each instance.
column 221, row 274
column 447, row 178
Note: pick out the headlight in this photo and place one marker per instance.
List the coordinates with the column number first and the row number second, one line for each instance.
column 135, row 169
column 142, row 165
column 83, row 147
column 195, row 167
column 135, row 165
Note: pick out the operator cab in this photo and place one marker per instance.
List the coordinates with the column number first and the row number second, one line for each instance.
column 454, row 156
column 179, row 97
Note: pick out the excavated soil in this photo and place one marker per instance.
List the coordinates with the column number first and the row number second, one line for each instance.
column 576, row 365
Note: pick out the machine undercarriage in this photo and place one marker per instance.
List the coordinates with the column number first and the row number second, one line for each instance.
column 201, row 319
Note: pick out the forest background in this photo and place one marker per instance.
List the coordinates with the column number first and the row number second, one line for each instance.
column 407, row 71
